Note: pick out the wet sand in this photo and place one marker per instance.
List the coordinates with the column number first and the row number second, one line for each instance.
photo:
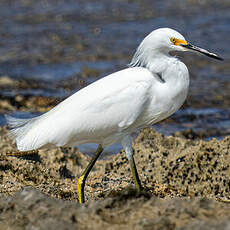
column 186, row 187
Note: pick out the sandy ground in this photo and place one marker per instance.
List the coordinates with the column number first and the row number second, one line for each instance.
column 186, row 187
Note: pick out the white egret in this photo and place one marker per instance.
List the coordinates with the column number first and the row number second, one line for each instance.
column 107, row 111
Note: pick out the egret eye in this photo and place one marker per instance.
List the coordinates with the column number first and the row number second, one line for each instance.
column 173, row 40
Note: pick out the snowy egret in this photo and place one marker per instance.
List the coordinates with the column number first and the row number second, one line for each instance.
column 107, row 111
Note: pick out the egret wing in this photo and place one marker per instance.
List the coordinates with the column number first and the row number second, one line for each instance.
column 106, row 108
column 109, row 106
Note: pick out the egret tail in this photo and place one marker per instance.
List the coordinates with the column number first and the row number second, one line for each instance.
column 25, row 131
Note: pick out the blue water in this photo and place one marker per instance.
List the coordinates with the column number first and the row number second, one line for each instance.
column 55, row 72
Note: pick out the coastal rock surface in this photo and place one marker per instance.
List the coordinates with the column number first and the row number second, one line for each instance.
column 186, row 186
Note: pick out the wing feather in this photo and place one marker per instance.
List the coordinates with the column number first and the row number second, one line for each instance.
column 103, row 109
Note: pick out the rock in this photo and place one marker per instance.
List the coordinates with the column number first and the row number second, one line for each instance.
column 7, row 81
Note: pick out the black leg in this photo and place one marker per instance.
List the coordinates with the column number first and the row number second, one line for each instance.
column 81, row 180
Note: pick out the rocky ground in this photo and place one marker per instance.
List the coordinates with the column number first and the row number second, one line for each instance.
column 186, row 186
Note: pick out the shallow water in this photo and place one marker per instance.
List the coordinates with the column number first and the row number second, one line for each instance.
column 51, row 42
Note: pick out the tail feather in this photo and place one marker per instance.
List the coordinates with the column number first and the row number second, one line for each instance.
column 19, row 128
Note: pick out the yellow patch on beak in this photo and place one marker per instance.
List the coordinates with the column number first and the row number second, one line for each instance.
column 178, row 42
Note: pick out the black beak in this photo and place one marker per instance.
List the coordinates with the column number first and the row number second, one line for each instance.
column 203, row 51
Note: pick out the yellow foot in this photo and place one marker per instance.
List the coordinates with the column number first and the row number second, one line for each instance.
column 80, row 189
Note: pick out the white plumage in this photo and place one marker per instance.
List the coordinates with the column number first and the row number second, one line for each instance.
column 110, row 109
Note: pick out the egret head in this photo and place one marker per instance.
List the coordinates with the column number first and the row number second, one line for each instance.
column 164, row 40
column 161, row 42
